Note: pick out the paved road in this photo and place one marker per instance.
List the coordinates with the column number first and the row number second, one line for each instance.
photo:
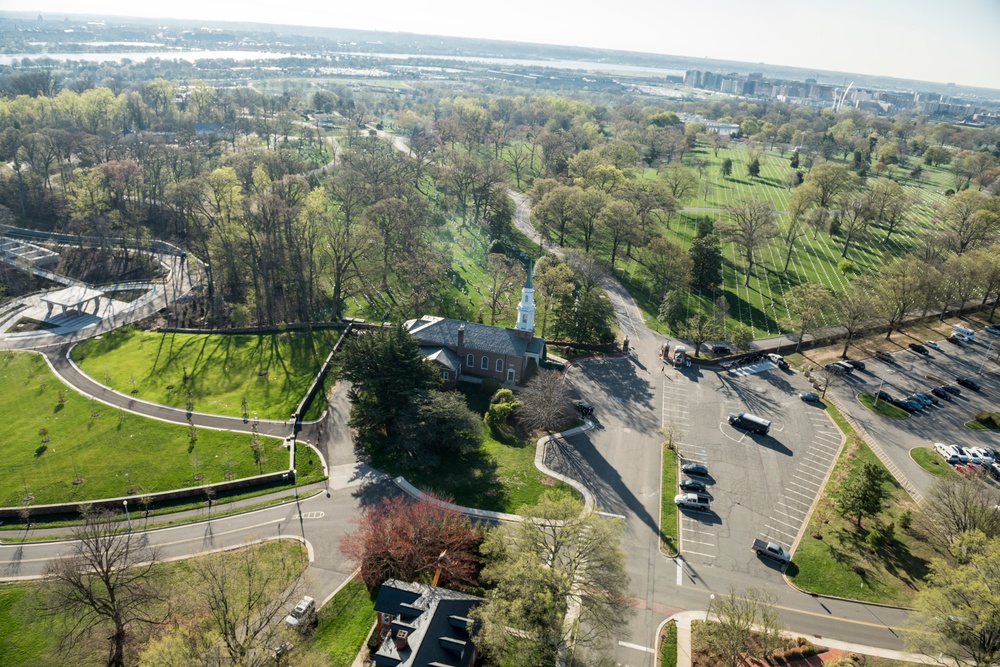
column 620, row 462
column 320, row 520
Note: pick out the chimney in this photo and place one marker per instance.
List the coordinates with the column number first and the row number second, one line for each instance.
column 401, row 639
column 461, row 337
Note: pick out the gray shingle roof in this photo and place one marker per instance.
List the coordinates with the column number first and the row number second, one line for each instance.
column 497, row 340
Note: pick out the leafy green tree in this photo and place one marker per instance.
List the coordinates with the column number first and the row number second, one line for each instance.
column 753, row 168
column 741, row 336
column 957, row 615
column 553, row 280
column 706, row 261
column 668, row 266
column 700, row 329
column 672, row 309
column 533, row 568
column 752, row 223
column 385, row 369
column 863, row 493
column 585, row 318
column 437, row 427
column 727, row 167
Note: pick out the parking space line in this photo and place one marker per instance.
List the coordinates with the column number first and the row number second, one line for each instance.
column 707, row 544
column 799, row 493
column 790, row 525
column 788, row 535
column 809, row 474
column 809, row 491
column 698, row 553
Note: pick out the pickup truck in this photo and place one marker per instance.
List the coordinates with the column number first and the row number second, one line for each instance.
column 692, row 501
column 771, row 550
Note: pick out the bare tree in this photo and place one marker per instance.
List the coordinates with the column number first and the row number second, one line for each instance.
column 958, row 505
column 586, row 270
column 246, row 594
column 544, row 402
column 106, row 583
column 505, row 275
column 744, row 623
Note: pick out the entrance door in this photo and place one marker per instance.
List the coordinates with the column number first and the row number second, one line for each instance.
column 510, row 375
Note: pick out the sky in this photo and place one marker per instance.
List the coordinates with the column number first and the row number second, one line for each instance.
column 932, row 40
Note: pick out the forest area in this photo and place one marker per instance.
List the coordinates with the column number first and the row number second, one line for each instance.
column 304, row 210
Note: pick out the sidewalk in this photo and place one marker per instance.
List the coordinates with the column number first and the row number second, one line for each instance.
column 685, row 618
column 341, row 477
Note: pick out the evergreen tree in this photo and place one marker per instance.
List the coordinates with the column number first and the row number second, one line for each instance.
column 706, row 255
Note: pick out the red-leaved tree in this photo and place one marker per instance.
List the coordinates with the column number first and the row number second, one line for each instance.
column 401, row 538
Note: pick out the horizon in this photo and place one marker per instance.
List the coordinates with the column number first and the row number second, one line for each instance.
column 963, row 52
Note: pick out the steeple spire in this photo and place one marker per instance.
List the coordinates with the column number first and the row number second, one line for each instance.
column 526, row 309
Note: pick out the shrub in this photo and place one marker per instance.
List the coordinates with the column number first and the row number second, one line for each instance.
column 502, row 396
column 906, row 520
column 845, row 266
column 489, row 386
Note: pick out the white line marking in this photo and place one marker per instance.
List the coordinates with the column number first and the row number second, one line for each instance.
column 698, row 553
column 790, row 525
column 707, row 544
column 636, row 647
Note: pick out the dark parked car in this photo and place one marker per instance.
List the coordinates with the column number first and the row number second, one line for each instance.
column 941, row 393
column 954, row 341
column 927, row 397
column 693, row 485
column 836, row 369
column 809, row 396
column 884, row 396
column 919, row 349
column 951, row 389
column 695, row 469
column 905, row 405
column 860, row 365
column 993, row 329
column 585, row 409
column 721, row 349
column 968, row 382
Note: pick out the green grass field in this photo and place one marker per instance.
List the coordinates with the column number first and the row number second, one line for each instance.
column 668, row 645
column 271, row 371
column 500, row 476
column 27, row 638
column 763, row 305
column 344, row 624
column 842, row 564
column 114, row 453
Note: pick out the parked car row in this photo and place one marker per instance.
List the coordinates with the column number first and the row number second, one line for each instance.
column 694, row 496
column 968, row 460
column 921, row 400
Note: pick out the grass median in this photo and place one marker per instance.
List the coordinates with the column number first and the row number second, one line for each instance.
column 668, row 510
column 668, row 645
column 929, row 460
column 883, row 407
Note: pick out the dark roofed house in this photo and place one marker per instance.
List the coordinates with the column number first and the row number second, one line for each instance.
column 424, row 626
column 466, row 348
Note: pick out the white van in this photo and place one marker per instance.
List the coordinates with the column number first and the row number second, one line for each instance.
column 965, row 331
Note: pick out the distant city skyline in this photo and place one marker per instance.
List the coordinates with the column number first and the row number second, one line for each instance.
column 912, row 39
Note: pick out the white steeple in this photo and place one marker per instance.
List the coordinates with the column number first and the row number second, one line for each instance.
column 526, row 309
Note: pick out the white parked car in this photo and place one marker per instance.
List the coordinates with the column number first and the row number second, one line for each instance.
column 932, row 344
column 303, row 615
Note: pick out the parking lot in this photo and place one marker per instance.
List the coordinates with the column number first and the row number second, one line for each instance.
column 944, row 422
column 760, row 486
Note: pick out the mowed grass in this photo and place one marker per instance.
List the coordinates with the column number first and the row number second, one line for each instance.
column 763, row 304
column 500, row 476
column 929, row 460
column 271, row 371
column 28, row 638
column 883, row 408
column 114, row 453
column 841, row 563
column 668, row 510
column 344, row 623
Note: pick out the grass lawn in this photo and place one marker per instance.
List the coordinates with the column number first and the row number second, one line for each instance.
column 28, row 638
column 883, row 408
column 977, row 425
column 668, row 645
column 114, row 453
column 668, row 510
column 841, row 563
column 344, row 624
column 500, row 476
column 271, row 371
column 929, row 460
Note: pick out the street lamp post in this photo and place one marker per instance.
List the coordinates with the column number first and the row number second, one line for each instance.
column 985, row 359
column 127, row 515
column 878, row 392
column 708, row 614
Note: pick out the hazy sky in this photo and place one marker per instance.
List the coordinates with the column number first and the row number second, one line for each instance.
column 932, row 40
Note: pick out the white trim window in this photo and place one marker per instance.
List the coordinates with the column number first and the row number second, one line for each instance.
column 470, row 361
column 499, row 365
column 486, row 363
